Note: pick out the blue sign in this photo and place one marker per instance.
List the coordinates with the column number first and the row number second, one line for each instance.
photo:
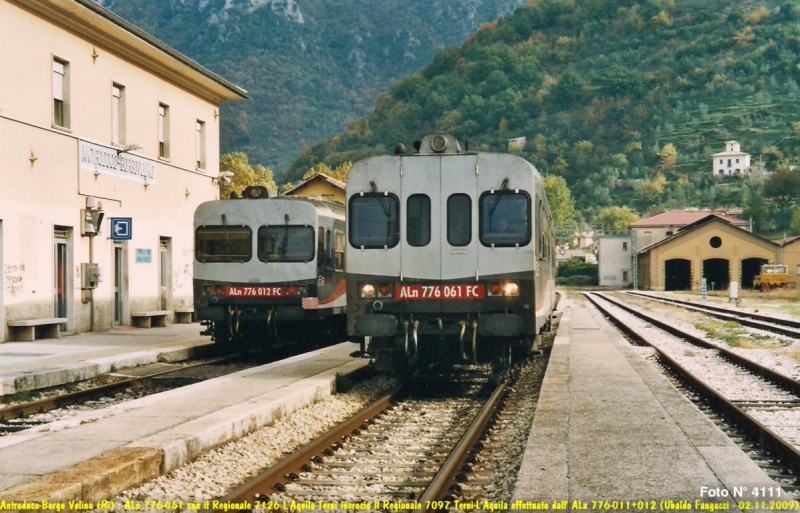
column 143, row 256
column 121, row 228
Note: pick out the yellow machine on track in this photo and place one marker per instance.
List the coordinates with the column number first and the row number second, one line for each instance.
column 773, row 276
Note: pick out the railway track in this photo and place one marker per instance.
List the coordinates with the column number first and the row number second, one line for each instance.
column 787, row 327
column 752, row 413
column 409, row 449
column 16, row 417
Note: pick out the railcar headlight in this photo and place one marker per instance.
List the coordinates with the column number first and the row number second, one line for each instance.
column 503, row 289
column 385, row 290
column 510, row 289
column 208, row 290
column 367, row 290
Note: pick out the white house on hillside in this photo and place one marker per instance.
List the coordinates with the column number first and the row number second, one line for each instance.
column 732, row 161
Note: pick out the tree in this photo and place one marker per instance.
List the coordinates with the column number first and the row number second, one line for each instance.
column 562, row 206
column 339, row 173
column 794, row 224
column 668, row 156
column 615, row 218
column 783, row 188
column 618, row 80
column 244, row 175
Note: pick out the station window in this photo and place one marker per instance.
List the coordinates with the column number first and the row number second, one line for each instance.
column 200, row 144
column 118, row 114
column 163, row 131
column 61, row 101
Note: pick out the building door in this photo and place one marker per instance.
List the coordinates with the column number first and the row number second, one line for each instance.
column 164, row 275
column 60, row 266
column 118, row 274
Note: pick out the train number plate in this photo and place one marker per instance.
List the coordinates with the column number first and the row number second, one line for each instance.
column 254, row 291
column 443, row 292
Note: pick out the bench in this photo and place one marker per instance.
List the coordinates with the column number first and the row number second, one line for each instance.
column 156, row 318
column 26, row 330
column 183, row 315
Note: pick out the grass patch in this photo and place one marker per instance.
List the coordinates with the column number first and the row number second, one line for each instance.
column 26, row 396
column 728, row 331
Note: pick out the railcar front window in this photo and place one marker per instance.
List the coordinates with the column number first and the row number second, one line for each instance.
column 223, row 244
column 505, row 218
column 459, row 220
column 374, row 221
column 286, row 243
column 418, row 220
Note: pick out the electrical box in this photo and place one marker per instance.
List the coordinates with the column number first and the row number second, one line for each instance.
column 90, row 276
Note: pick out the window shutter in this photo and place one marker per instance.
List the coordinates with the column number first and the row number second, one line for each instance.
column 161, row 114
column 58, row 80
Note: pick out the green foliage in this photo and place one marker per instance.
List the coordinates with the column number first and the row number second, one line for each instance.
column 309, row 67
column 624, row 101
column 615, row 218
column 244, row 175
column 560, row 200
column 577, row 273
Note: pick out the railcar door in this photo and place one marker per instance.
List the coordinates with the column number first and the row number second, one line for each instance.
column 458, row 218
column 420, row 224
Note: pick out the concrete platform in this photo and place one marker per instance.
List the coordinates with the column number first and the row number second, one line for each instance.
column 26, row 366
column 99, row 454
column 610, row 427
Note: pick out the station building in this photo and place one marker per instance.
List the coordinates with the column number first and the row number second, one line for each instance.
column 109, row 140
column 712, row 248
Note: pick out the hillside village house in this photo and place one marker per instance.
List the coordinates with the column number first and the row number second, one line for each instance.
column 732, row 161
column 109, row 140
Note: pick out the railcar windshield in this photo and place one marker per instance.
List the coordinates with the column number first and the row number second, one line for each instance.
column 505, row 218
column 374, row 221
column 223, row 243
column 286, row 243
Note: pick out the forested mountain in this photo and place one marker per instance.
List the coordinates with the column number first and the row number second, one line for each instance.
column 310, row 66
column 627, row 100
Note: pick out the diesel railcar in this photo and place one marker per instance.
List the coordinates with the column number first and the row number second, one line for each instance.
column 450, row 256
column 269, row 271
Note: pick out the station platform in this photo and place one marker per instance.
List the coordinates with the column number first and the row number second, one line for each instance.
column 96, row 455
column 48, row 362
column 611, row 430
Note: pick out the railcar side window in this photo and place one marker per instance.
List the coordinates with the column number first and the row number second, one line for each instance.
column 286, row 243
column 505, row 218
column 374, row 221
column 418, row 220
column 338, row 258
column 223, row 243
column 459, row 220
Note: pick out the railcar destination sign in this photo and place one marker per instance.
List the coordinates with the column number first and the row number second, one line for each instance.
column 110, row 161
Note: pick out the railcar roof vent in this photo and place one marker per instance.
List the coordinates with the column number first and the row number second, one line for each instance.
column 439, row 143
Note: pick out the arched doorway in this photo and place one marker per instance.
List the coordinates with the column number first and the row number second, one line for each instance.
column 677, row 274
column 717, row 273
column 751, row 267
